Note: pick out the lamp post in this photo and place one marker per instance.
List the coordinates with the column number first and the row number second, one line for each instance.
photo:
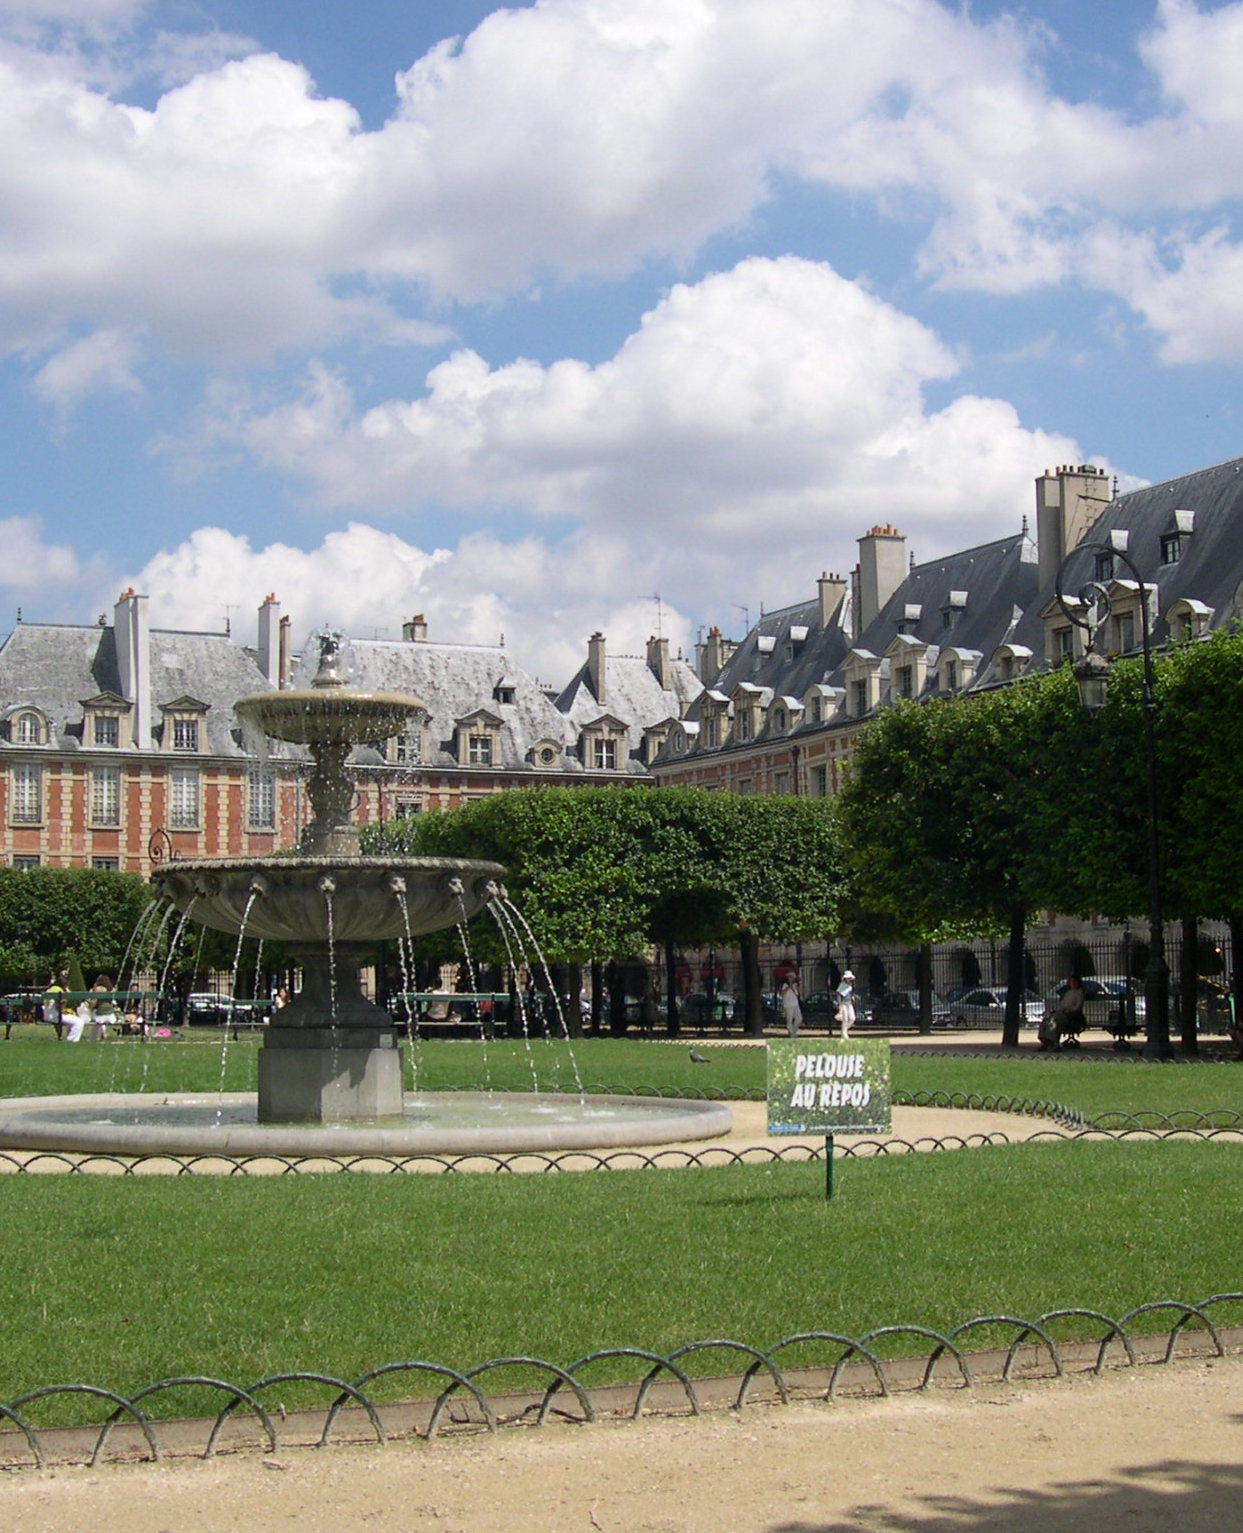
column 1091, row 672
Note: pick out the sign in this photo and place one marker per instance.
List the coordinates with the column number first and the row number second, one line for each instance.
column 829, row 1087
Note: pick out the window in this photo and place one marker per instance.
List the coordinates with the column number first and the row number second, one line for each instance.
column 779, row 720
column 1124, row 632
column 951, row 675
column 781, row 782
column 408, row 748
column 859, row 698
column 105, row 796
column 817, row 709
column 744, row 724
column 502, row 694
column 185, row 734
column 404, row 808
column 1171, row 548
column 906, row 681
column 261, row 799
column 820, row 782
column 107, row 864
column 479, row 750
column 1063, row 643
column 27, row 731
column 23, row 864
column 107, row 729
column 710, row 731
column 1104, row 567
column 604, row 755
column 27, row 794
column 183, row 799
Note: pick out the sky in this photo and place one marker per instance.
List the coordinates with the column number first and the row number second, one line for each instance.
column 579, row 315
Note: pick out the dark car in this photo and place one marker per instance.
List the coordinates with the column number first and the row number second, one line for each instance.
column 207, row 1008
column 900, row 1008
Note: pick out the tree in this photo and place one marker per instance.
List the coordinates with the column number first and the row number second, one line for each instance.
column 47, row 914
column 963, row 814
column 601, row 872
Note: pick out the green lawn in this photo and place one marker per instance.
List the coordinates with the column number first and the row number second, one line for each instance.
column 33, row 1063
column 120, row 1282
column 123, row 1282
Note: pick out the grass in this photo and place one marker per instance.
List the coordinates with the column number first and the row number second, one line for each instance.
column 123, row 1282
column 33, row 1063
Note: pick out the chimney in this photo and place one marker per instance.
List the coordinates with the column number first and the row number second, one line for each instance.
column 595, row 665
column 132, row 631
column 711, row 656
column 1068, row 502
column 284, row 667
column 658, row 662
column 415, row 631
column 882, row 569
column 269, row 646
column 832, row 590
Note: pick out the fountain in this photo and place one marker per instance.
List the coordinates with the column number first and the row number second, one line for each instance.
column 330, row 1068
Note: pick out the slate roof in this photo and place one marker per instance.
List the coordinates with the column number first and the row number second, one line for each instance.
column 1210, row 567
column 55, row 667
column 633, row 695
column 456, row 681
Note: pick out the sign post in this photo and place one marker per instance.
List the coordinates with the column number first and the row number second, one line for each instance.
column 829, row 1088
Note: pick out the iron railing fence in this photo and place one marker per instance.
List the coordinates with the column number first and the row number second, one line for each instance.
column 808, row 1365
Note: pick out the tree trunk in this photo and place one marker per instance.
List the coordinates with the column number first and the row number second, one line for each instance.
column 1236, row 977
column 573, row 1002
column 753, row 1008
column 672, row 1022
column 1016, row 982
column 597, row 998
column 616, row 975
column 925, row 987
column 1189, row 985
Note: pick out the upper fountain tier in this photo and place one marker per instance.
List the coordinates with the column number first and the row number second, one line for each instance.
column 329, row 718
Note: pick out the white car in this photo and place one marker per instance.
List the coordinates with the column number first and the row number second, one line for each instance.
column 987, row 1008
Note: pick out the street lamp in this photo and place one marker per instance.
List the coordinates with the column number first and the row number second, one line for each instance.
column 1091, row 673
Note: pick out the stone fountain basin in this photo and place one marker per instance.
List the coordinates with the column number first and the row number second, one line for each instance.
column 435, row 1123
column 327, row 714
column 372, row 898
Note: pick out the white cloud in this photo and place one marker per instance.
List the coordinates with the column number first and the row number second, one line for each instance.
column 245, row 214
column 105, row 362
column 541, row 601
column 765, row 395
column 34, row 567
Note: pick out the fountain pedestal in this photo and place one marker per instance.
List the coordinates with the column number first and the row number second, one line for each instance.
column 329, row 1074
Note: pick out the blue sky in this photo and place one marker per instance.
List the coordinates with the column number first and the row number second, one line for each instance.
column 518, row 318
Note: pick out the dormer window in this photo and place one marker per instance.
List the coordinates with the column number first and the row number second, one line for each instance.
column 502, row 693
column 184, row 725
column 904, row 681
column 1104, row 567
column 779, row 721
column 107, row 731
column 408, row 747
column 1188, row 619
column 27, row 728
column 478, row 739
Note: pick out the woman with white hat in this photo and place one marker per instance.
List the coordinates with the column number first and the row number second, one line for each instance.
column 844, row 995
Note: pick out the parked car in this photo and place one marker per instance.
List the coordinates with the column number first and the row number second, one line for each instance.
column 900, row 1008
column 987, row 1008
column 207, row 1008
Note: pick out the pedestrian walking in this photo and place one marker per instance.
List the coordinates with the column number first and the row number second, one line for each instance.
column 844, row 996
column 791, row 1005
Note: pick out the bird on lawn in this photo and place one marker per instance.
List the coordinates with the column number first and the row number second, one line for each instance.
column 699, row 1059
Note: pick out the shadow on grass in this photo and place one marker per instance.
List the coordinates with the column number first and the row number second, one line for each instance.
column 1193, row 1498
